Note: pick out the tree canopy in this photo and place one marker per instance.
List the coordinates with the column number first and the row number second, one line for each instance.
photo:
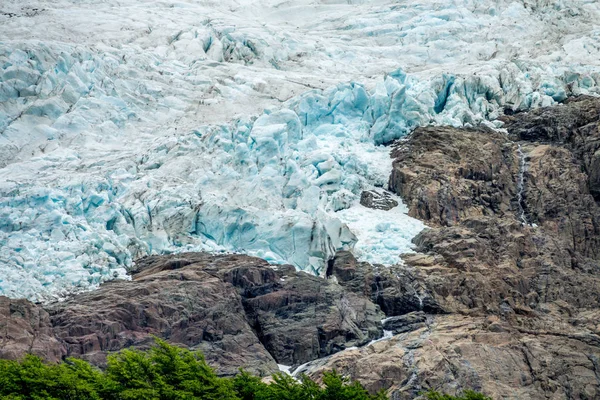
column 167, row 372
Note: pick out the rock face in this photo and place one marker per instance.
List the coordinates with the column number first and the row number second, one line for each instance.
column 405, row 323
column 512, row 259
column 239, row 310
column 26, row 328
column 395, row 289
column 453, row 352
column 495, row 247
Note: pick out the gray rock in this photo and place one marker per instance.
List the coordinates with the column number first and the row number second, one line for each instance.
column 378, row 200
column 535, row 282
column 239, row 310
column 405, row 323
column 395, row 289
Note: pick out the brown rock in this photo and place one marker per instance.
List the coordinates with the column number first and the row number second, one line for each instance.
column 512, row 253
column 395, row 289
column 239, row 310
column 188, row 305
column 25, row 328
column 453, row 353
column 446, row 175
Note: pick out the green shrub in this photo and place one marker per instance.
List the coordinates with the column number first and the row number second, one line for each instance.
column 167, row 372
column 164, row 372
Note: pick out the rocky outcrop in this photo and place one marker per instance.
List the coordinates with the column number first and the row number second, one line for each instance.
column 456, row 352
column 25, row 328
column 239, row 310
column 405, row 323
column 395, row 289
column 447, row 175
column 178, row 299
column 480, row 254
column 511, row 257
column 378, row 200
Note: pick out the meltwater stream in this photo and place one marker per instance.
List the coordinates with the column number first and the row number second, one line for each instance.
column 521, row 185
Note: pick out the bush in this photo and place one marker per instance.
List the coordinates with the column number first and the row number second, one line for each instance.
column 284, row 387
column 167, row 372
column 164, row 372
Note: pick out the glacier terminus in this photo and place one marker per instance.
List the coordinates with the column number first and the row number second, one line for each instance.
column 131, row 128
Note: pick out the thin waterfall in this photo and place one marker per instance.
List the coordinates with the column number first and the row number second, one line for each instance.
column 521, row 184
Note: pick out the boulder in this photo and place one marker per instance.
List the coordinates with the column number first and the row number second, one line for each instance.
column 378, row 200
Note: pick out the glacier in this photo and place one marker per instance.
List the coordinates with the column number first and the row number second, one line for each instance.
column 246, row 126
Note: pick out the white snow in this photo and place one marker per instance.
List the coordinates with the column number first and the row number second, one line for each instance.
column 381, row 235
column 130, row 128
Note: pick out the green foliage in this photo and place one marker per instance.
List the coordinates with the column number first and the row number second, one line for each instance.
column 164, row 372
column 168, row 372
column 246, row 386
column 467, row 395
column 32, row 379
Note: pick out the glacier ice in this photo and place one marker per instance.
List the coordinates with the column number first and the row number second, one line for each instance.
column 246, row 126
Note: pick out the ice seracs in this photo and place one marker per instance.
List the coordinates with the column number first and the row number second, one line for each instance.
column 129, row 129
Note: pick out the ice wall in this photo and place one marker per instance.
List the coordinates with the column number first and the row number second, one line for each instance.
column 283, row 186
column 248, row 126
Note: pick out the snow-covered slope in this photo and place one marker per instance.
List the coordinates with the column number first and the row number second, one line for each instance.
column 129, row 128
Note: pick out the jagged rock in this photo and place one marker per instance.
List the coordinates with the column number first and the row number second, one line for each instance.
column 575, row 126
column 502, row 296
column 464, row 184
column 25, row 328
column 395, row 289
column 512, row 253
column 405, row 323
column 178, row 298
column 377, row 200
column 555, row 124
column 239, row 310
column 446, row 175
column 307, row 317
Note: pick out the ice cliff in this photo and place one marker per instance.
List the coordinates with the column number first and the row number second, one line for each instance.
column 129, row 129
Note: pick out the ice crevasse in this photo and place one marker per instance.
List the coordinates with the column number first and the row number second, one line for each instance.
column 284, row 185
